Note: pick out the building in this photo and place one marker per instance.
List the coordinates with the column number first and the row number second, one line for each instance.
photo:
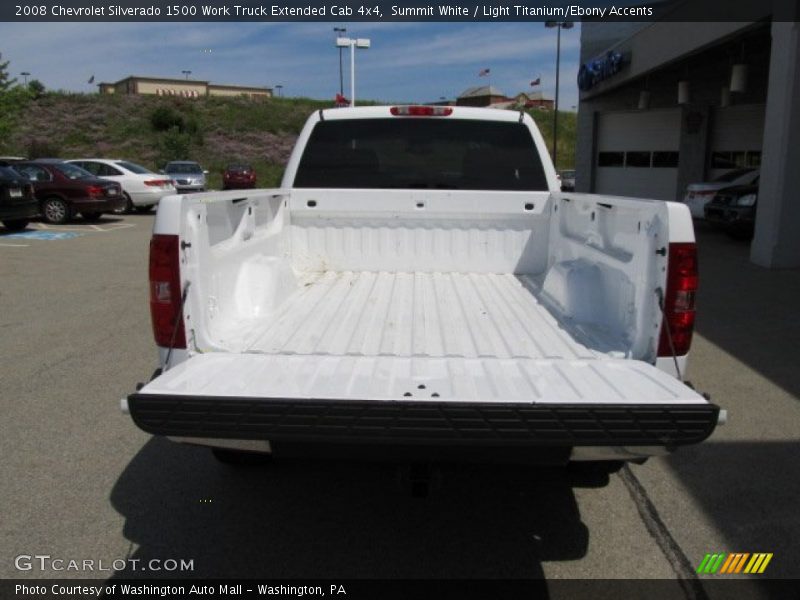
column 533, row 100
column 482, row 95
column 191, row 88
column 666, row 104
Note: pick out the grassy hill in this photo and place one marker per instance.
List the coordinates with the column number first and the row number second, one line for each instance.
column 151, row 130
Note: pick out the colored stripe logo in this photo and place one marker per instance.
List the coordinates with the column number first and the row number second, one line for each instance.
column 735, row 563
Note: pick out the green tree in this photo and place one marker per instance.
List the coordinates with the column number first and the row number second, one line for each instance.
column 5, row 82
column 36, row 88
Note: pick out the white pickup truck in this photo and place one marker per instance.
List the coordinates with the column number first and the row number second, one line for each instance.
column 419, row 283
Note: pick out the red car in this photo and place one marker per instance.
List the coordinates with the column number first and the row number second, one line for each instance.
column 63, row 190
column 238, row 176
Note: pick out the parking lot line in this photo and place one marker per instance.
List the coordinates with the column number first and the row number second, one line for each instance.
column 15, row 245
column 84, row 228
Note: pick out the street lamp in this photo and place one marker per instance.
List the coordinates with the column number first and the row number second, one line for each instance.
column 339, row 31
column 279, row 87
column 559, row 25
column 187, row 73
column 25, row 74
column 343, row 42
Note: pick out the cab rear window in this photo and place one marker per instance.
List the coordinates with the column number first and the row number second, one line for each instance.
column 422, row 153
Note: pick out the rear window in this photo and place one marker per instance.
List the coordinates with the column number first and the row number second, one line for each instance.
column 421, row 153
column 133, row 167
column 71, row 171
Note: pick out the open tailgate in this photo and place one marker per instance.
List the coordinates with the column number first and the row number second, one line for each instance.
column 423, row 399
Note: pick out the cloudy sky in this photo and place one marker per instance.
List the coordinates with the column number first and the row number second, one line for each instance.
column 416, row 62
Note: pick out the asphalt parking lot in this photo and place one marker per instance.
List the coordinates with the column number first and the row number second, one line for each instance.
column 80, row 481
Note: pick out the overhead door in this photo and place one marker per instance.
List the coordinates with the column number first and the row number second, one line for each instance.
column 736, row 137
column 637, row 153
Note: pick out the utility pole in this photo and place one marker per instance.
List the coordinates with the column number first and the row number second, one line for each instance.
column 340, row 31
column 559, row 25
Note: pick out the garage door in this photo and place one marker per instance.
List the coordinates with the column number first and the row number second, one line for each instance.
column 736, row 137
column 637, row 153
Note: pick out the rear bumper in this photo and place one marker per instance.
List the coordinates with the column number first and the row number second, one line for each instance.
column 149, row 197
column 99, row 204
column 440, row 423
column 26, row 210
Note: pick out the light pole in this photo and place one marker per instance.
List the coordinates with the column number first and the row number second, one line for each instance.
column 187, row 73
column 354, row 43
column 25, row 74
column 279, row 87
column 339, row 31
column 559, row 25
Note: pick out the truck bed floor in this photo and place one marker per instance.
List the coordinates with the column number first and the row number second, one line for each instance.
column 422, row 315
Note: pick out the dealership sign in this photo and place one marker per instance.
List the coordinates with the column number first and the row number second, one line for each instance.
column 599, row 69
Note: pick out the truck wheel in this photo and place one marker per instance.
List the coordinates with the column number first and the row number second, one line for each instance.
column 16, row 224
column 55, row 211
column 241, row 458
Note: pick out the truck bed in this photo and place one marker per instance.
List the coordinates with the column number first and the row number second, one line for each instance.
column 467, row 315
column 427, row 336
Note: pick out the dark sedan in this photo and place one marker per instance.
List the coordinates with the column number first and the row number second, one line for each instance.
column 18, row 203
column 63, row 190
column 238, row 176
column 734, row 210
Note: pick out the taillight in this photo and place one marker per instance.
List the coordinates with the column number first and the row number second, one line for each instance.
column 679, row 309
column 94, row 191
column 158, row 182
column 421, row 111
column 165, row 292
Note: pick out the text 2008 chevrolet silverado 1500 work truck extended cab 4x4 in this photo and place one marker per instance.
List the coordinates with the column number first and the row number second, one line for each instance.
column 419, row 281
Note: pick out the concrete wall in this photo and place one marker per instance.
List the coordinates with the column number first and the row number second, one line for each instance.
column 152, row 87
column 777, row 242
column 214, row 90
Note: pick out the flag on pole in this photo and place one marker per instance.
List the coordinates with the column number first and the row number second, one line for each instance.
column 91, row 79
column 483, row 72
column 536, row 81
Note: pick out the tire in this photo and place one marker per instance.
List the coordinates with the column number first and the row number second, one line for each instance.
column 241, row 458
column 92, row 217
column 144, row 209
column 16, row 224
column 128, row 208
column 55, row 211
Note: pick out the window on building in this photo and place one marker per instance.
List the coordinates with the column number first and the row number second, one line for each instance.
column 665, row 160
column 637, row 159
column 611, row 159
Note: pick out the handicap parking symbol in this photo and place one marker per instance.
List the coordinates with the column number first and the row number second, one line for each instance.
column 44, row 235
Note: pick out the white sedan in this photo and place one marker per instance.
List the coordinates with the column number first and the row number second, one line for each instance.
column 142, row 188
column 700, row 194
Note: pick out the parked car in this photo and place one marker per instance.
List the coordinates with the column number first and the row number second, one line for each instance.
column 700, row 194
column 63, row 190
column 187, row 176
column 734, row 210
column 141, row 187
column 567, row 181
column 238, row 176
column 18, row 203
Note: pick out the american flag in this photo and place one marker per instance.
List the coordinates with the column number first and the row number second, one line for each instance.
column 483, row 72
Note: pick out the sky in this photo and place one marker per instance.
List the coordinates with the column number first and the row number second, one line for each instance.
column 414, row 62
